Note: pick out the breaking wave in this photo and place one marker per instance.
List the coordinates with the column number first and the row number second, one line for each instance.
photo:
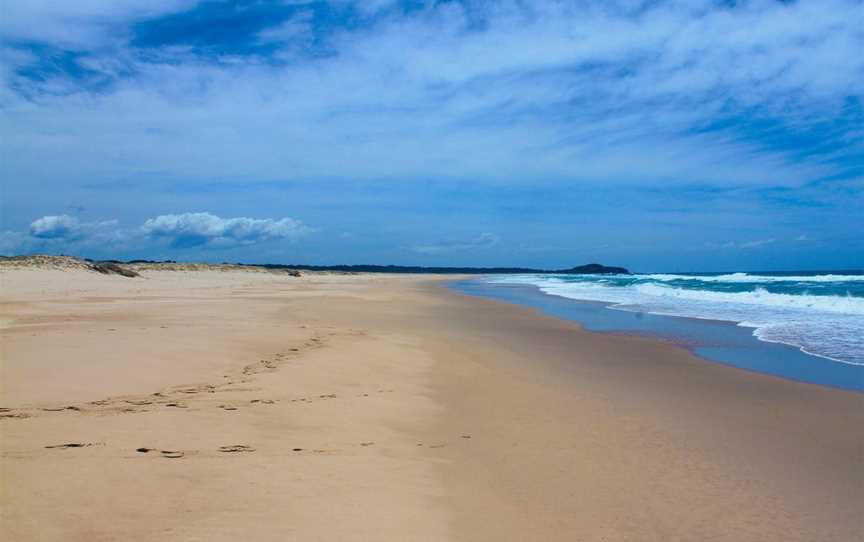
column 822, row 314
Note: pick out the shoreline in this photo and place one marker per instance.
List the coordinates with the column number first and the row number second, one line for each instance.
column 715, row 341
column 393, row 408
column 735, row 421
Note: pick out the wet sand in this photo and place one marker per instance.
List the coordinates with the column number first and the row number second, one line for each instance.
column 220, row 405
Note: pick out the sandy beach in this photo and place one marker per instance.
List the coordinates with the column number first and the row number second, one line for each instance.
column 219, row 405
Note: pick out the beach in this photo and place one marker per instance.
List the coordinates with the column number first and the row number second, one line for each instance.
column 217, row 405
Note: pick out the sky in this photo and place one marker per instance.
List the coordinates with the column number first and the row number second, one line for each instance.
column 657, row 135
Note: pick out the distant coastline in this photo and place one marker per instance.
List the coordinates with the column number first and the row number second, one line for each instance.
column 588, row 269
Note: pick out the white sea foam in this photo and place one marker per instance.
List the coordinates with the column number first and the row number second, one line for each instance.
column 831, row 326
column 748, row 278
column 759, row 297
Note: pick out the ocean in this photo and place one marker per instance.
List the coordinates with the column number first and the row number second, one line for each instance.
column 819, row 315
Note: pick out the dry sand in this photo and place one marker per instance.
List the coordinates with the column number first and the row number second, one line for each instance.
column 361, row 407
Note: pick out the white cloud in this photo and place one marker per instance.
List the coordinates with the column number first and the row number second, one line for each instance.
column 195, row 229
column 56, row 227
column 181, row 231
column 297, row 29
column 79, row 24
column 589, row 91
column 67, row 228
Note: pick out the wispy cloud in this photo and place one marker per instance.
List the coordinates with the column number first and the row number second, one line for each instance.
column 82, row 24
column 630, row 92
column 565, row 125
column 296, row 30
column 740, row 245
column 756, row 243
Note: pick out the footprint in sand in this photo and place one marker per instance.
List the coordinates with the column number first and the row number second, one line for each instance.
column 236, row 448
column 228, row 407
column 10, row 415
column 72, row 445
column 170, row 454
column 207, row 388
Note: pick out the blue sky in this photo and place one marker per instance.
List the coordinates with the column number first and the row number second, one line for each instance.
column 659, row 135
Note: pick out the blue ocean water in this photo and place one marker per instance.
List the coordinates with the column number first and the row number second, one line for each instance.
column 810, row 324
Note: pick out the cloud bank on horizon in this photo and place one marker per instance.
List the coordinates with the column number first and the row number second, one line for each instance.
column 761, row 99
column 174, row 231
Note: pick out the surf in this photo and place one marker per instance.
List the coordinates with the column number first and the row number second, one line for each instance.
column 822, row 315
